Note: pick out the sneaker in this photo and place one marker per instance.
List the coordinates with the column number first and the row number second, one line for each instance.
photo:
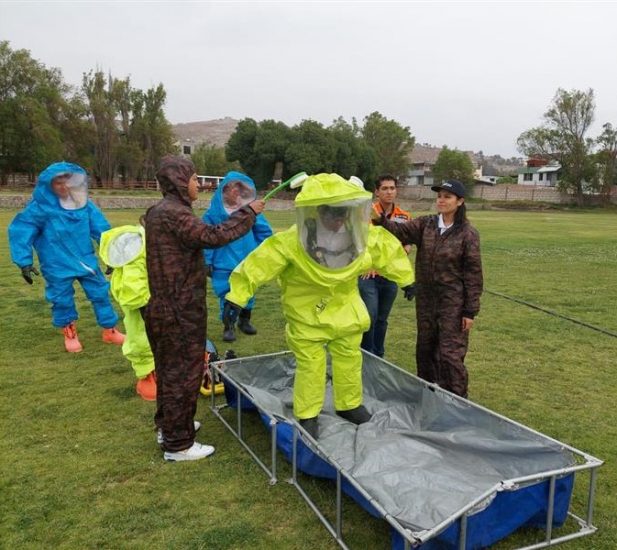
column 196, row 452
column 311, row 425
column 159, row 433
column 112, row 336
column 146, row 387
column 71, row 342
column 359, row 415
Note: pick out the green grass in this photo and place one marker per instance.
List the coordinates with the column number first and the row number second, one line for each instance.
column 80, row 466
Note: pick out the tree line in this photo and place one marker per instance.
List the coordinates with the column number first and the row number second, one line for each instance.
column 270, row 149
column 109, row 127
column 119, row 132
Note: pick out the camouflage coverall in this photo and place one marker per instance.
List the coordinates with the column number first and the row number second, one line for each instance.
column 175, row 316
column 449, row 285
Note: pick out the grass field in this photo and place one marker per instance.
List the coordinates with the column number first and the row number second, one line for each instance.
column 80, row 466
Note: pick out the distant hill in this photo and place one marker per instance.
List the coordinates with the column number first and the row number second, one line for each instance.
column 216, row 132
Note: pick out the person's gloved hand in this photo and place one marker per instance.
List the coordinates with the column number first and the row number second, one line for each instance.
column 27, row 272
column 409, row 291
column 109, row 270
column 257, row 206
column 230, row 312
column 209, row 270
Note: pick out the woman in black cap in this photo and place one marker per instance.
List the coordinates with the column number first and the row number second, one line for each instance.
column 448, row 285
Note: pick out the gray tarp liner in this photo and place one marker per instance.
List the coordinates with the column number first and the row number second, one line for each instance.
column 425, row 454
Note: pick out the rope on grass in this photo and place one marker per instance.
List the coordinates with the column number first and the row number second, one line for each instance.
column 553, row 313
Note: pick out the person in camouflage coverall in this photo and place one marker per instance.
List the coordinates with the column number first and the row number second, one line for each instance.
column 175, row 316
column 448, row 286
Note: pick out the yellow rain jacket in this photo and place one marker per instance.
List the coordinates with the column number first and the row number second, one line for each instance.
column 322, row 306
column 124, row 249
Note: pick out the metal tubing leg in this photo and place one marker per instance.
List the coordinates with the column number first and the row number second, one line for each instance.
column 590, row 498
column 551, row 509
column 273, row 432
column 339, row 506
column 462, row 538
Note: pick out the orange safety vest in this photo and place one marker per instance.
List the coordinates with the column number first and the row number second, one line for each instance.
column 397, row 215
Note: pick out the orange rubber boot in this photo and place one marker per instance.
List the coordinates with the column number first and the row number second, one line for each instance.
column 71, row 342
column 146, row 387
column 113, row 336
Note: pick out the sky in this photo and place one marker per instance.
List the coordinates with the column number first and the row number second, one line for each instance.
column 469, row 75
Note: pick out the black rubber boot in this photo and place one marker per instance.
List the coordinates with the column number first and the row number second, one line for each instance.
column 244, row 322
column 359, row 415
column 311, row 425
column 228, row 333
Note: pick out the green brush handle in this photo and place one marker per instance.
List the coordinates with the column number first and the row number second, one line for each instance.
column 301, row 176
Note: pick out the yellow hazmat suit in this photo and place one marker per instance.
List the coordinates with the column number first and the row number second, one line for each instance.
column 318, row 273
column 124, row 249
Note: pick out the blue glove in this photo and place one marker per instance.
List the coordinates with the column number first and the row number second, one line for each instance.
column 409, row 291
column 230, row 312
column 27, row 272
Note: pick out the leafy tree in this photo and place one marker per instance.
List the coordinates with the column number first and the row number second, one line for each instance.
column 131, row 130
column 353, row 156
column 241, row 146
column 562, row 137
column 99, row 93
column 210, row 160
column 606, row 159
column 391, row 142
column 33, row 108
column 157, row 138
column 273, row 139
column 259, row 148
column 453, row 164
column 312, row 149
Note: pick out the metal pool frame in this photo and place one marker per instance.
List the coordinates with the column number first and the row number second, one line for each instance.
column 412, row 539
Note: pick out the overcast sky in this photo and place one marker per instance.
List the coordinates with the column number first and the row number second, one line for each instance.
column 470, row 75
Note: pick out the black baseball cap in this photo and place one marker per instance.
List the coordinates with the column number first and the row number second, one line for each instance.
column 453, row 186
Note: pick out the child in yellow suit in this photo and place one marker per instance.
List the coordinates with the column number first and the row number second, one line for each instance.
column 124, row 249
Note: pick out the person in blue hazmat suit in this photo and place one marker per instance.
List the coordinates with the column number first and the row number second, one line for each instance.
column 60, row 223
column 234, row 191
column 317, row 262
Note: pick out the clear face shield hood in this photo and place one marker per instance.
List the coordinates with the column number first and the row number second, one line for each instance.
column 71, row 190
column 237, row 194
column 334, row 235
column 125, row 248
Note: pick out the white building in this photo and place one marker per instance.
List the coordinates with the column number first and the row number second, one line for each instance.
column 545, row 176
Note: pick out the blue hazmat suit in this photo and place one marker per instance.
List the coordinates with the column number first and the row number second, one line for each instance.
column 224, row 260
column 62, row 239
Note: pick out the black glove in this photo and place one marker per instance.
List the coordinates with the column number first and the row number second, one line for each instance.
column 409, row 291
column 378, row 219
column 109, row 270
column 230, row 312
column 209, row 270
column 27, row 272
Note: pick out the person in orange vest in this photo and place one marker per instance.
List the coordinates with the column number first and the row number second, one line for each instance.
column 378, row 292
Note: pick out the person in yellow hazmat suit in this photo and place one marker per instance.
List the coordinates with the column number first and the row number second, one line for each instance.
column 124, row 249
column 317, row 262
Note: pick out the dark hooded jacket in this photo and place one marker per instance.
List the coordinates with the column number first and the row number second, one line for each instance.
column 175, row 238
column 176, row 313
column 449, row 285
